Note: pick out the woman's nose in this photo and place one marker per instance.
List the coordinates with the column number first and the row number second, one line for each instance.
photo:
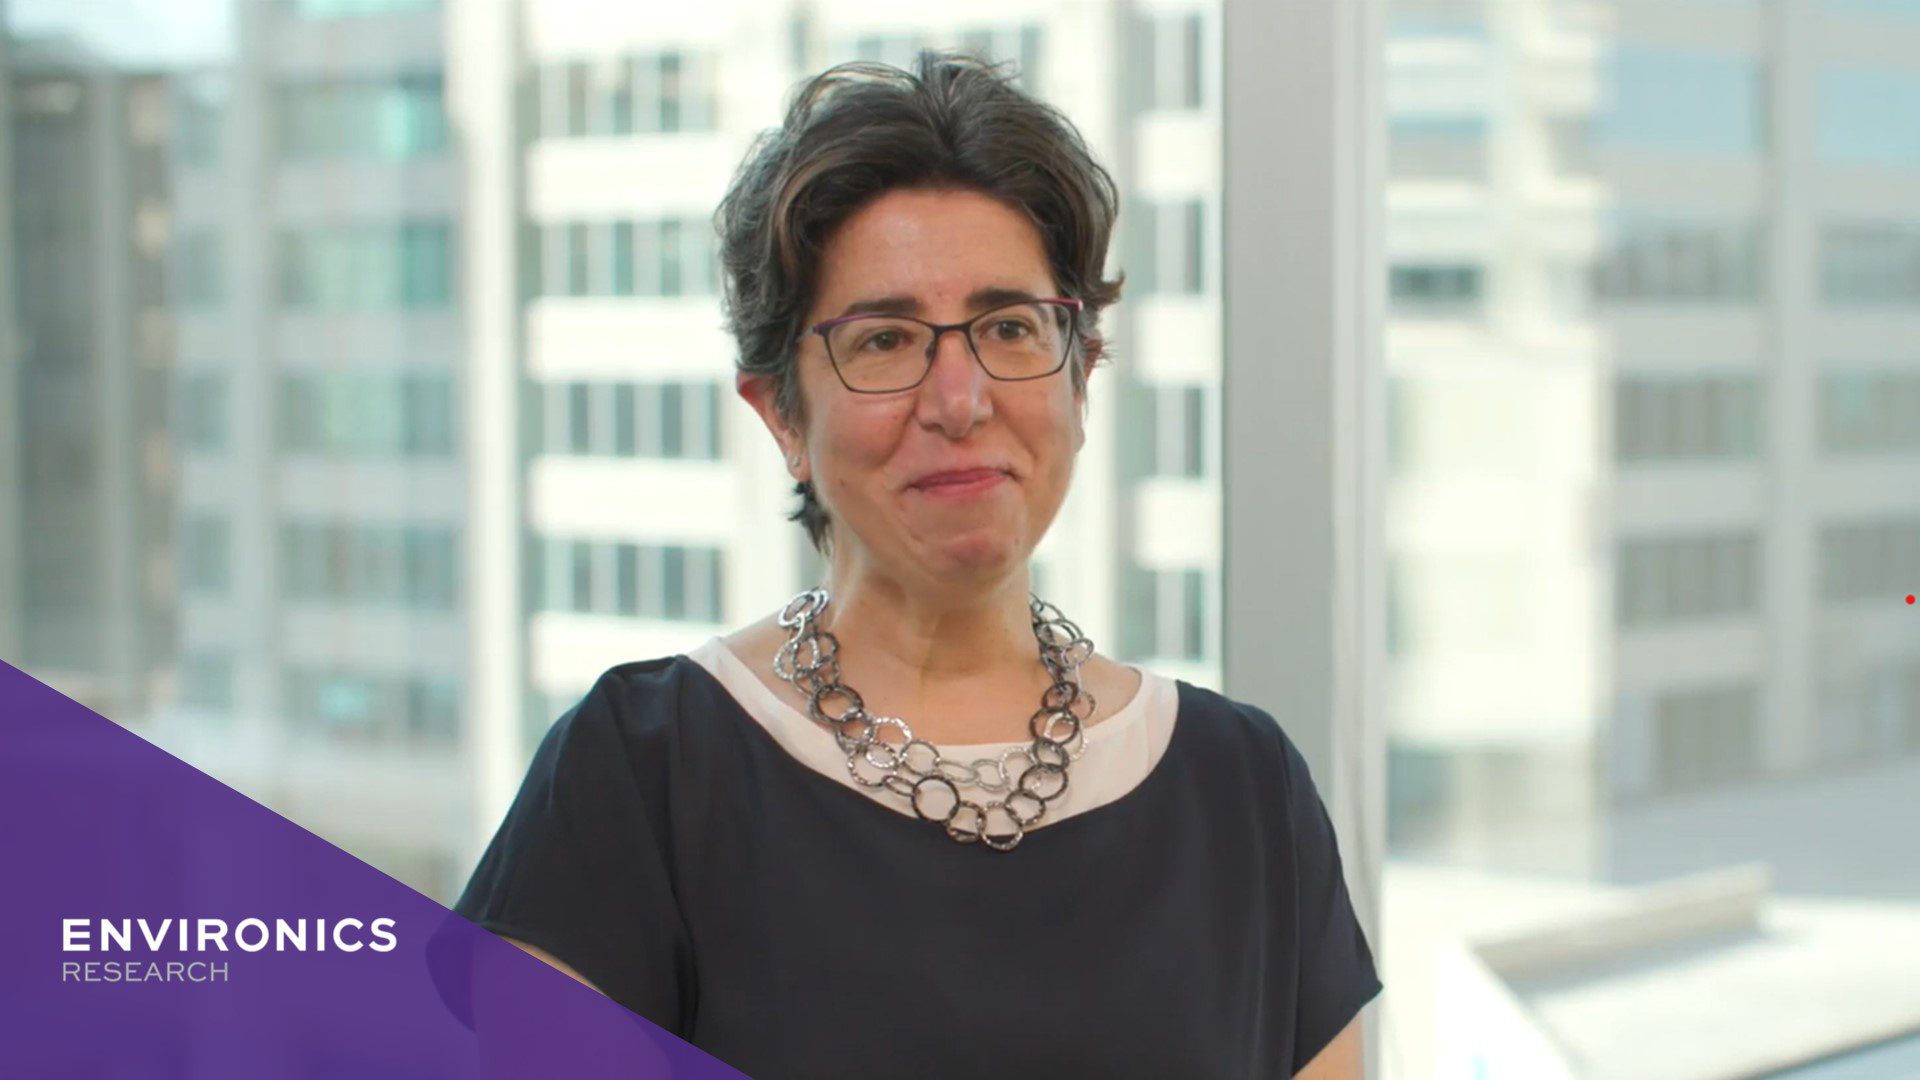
column 956, row 385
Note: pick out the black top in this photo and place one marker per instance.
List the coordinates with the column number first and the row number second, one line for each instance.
column 665, row 846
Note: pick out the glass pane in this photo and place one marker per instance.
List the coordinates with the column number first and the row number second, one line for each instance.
column 1638, row 651
column 338, row 334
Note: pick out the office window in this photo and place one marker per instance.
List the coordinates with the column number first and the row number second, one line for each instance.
column 205, row 554
column 1662, row 580
column 579, row 259
column 367, row 413
column 201, row 419
column 629, row 94
column 1868, row 411
column 408, row 566
column 623, row 256
column 1018, row 44
column 655, row 420
column 1892, row 9
column 392, row 118
column 1437, row 147
column 206, row 681
column 1869, row 560
column 366, row 266
column 1166, row 614
column 199, row 101
column 633, row 580
column 1678, row 260
column 196, row 272
column 1169, row 60
column 1868, row 117
column 674, row 257
column 1447, row 21
column 895, row 49
column 1680, row 101
column 1169, row 244
column 1706, row 736
column 371, row 708
column 1870, row 262
column 347, row 9
column 1181, row 431
column 1427, row 288
column 1689, row 417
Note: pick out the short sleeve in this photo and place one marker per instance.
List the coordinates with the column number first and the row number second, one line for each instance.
column 580, row 867
column 1337, row 973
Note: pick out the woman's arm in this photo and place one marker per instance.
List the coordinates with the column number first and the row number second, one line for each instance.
column 513, row 1044
column 551, row 959
column 1338, row 1060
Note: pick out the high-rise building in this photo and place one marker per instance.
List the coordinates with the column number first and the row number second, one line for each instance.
column 85, row 501
column 322, row 487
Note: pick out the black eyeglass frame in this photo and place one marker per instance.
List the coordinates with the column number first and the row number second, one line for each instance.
column 1073, row 306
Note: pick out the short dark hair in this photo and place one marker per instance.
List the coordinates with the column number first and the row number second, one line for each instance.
column 860, row 129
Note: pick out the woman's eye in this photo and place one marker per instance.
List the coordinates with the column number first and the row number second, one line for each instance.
column 882, row 340
column 1010, row 329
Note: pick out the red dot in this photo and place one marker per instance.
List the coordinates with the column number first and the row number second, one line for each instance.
column 1909, row 598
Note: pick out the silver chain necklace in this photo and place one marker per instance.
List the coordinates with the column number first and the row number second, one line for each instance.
column 930, row 783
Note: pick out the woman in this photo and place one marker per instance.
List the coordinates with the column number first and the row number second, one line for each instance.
column 914, row 824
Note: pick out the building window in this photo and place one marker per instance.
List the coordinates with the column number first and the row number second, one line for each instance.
column 1680, row 101
column 606, row 577
column 1180, row 431
column 1170, row 250
column 1870, row 262
column 201, row 420
column 1676, row 260
column 206, row 681
column 373, row 709
column 196, row 269
column 1867, row 411
column 1424, row 288
column 630, row 94
column 654, row 420
column 1869, row 560
column 199, row 101
column 1893, row 9
column 1867, row 118
column 362, row 267
column 1019, row 44
column 1170, row 60
column 204, row 554
column 673, row 257
column 1437, row 147
column 391, row 118
column 372, row 413
column 1686, row 418
column 345, row 9
column 1167, row 614
column 1664, row 580
column 409, row 566
column 1705, row 737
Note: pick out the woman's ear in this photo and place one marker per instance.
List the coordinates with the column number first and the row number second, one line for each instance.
column 759, row 392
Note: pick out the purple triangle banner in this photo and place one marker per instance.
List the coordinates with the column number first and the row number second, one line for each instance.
column 156, row 923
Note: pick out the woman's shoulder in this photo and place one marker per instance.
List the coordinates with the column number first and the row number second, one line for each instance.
column 634, row 706
column 1229, row 723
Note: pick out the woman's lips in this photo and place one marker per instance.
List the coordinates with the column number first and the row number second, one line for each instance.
column 960, row 484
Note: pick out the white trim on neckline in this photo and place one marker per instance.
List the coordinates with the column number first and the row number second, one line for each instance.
column 1121, row 750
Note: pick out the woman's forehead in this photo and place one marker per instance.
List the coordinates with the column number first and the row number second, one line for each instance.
column 932, row 249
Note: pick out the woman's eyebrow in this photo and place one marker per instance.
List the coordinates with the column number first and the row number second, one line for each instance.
column 979, row 299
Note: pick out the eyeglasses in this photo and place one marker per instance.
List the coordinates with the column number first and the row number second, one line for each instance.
column 884, row 354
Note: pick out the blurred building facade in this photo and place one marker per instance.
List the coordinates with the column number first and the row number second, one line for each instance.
column 451, row 425
column 1656, row 466
column 88, row 488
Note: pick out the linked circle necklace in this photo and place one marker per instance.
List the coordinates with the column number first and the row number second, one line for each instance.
column 915, row 769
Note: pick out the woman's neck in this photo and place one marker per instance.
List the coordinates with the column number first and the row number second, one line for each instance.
column 923, row 646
